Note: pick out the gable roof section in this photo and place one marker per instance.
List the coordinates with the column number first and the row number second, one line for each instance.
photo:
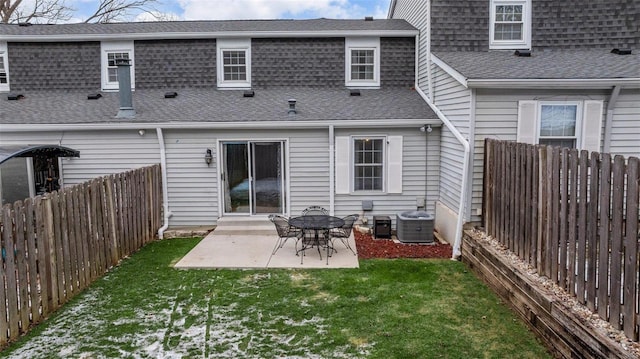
column 578, row 68
column 198, row 107
column 205, row 29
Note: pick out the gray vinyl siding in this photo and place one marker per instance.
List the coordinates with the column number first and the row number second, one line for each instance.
column 416, row 13
column 454, row 100
column 497, row 117
column 101, row 153
column 420, row 178
column 625, row 132
column 192, row 185
column 309, row 169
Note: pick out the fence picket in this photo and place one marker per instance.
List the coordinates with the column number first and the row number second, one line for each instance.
column 21, row 265
column 581, row 251
column 7, row 226
column 8, row 237
column 592, row 230
column 631, row 268
column 603, row 248
column 617, row 205
column 32, row 268
column 573, row 200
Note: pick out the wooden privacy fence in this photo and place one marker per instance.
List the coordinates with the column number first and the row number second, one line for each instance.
column 54, row 246
column 573, row 216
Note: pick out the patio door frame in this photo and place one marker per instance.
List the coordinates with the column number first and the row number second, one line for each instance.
column 285, row 185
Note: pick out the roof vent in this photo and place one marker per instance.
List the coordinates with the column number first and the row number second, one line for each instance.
column 621, row 51
column 523, row 53
column 368, row 18
column 248, row 93
column 24, row 24
column 15, row 96
column 292, row 106
column 93, row 96
column 170, row 94
column 354, row 93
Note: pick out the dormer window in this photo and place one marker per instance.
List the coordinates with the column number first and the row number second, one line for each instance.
column 362, row 68
column 111, row 52
column 234, row 63
column 4, row 67
column 510, row 24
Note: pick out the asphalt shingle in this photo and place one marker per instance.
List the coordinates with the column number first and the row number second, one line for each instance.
column 207, row 105
column 576, row 64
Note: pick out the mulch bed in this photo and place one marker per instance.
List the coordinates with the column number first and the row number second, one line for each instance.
column 387, row 248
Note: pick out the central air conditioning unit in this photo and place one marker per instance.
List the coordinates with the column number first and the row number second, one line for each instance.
column 414, row 227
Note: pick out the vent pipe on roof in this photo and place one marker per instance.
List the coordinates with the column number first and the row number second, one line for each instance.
column 124, row 86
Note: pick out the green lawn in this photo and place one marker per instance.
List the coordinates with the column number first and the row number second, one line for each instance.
column 386, row 309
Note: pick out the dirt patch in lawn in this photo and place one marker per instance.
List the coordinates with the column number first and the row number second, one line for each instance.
column 387, row 248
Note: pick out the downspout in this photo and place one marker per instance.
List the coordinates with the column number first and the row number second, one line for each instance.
column 165, row 191
column 611, row 104
column 465, row 172
column 331, row 170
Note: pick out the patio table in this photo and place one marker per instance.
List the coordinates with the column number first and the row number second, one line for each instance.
column 316, row 223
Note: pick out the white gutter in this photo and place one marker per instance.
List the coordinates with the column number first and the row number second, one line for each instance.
column 315, row 124
column 332, row 174
column 165, row 190
column 465, row 172
column 611, row 105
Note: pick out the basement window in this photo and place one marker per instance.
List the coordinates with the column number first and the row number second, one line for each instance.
column 111, row 52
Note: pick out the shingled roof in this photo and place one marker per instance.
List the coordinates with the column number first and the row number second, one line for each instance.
column 194, row 28
column 593, row 64
column 206, row 105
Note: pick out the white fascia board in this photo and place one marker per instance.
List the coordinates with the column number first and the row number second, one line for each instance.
column 554, row 83
column 382, row 123
column 203, row 35
column 449, row 70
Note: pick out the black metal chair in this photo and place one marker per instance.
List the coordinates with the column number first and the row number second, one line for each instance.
column 285, row 231
column 343, row 233
column 314, row 210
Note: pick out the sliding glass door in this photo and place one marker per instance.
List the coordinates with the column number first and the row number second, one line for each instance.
column 253, row 177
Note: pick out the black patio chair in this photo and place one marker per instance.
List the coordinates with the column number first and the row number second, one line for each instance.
column 285, row 231
column 314, row 210
column 343, row 233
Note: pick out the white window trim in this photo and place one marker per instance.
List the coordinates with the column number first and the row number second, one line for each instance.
column 352, row 163
column 116, row 46
column 233, row 45
column 4, row 53
column 579, row 120
column 365, row 43
column 525, row 43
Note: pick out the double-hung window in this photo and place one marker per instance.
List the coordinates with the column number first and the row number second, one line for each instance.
column 362, row 68
column 510, row 25
column 234, row 63
column 111, row 53
column 368, row 162
column 560, row 124
column 366, row 165
column 4, row 67
column 572, row 124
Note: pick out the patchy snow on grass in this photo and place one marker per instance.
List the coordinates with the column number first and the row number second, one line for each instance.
column 179, row 326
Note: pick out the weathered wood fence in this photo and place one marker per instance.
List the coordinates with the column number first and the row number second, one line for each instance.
column 573, row 216
column 54, row 246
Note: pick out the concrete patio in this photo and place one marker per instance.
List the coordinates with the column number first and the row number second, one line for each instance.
column 247, row 243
